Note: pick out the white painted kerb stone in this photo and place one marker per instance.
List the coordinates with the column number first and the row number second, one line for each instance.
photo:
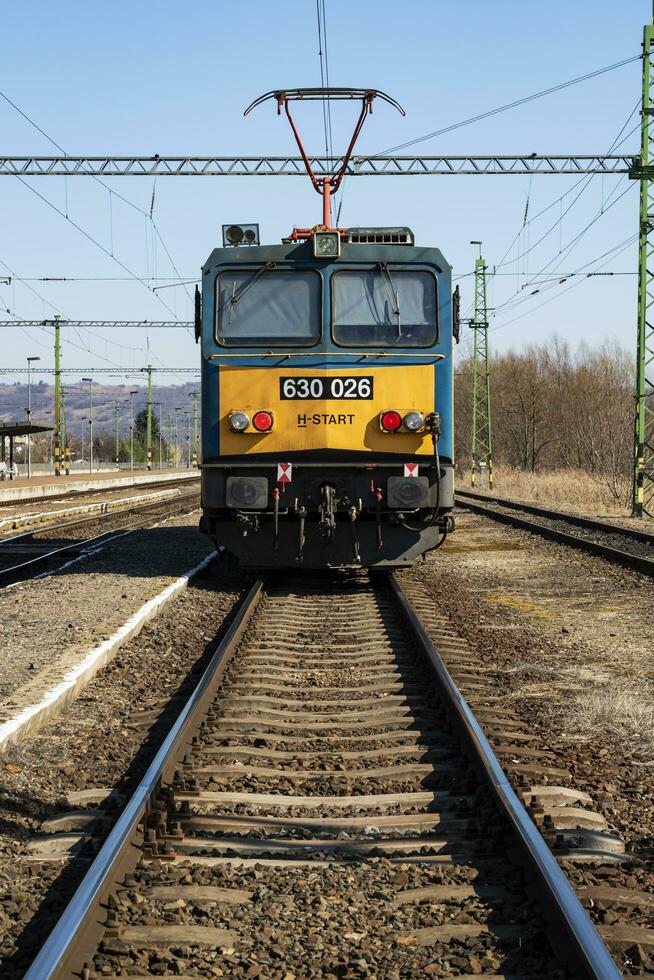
column 76, row 679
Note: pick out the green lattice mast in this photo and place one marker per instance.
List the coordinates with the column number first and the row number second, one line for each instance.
column 482, row 453
column 643, row 483
column 148, row 429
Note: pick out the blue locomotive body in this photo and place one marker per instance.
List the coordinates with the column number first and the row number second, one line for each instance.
column 327, row 401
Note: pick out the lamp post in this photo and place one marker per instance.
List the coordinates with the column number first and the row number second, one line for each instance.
column 169, row 460
column 148, row 423
column 90, row 381
column 188, row 438
column 64, row 442
column 178, row 408
column 81, row 440
column 159, row 406
column 196, row 456
column 135, row 391
column 117, row 433
column 29, row 413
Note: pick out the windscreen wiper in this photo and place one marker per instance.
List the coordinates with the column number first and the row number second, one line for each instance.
column 238, row 295
column 393, row 293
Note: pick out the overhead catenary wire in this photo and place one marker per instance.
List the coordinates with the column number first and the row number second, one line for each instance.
column 57, row 310
column 511, row 105
column 585, row 180
column 548, row 207
column 95, row 242
column 573, row 285
column 329, row 108
column 109, row 190
column 36, row 293
column 566, row 249
column 561, row 255
column 321, row 56
column 558, row 276
column 561, row 278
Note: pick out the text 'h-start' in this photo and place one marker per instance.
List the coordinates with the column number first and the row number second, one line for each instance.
column 324, row 418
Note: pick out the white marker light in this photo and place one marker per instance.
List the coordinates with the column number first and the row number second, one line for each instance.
column 413, row 421
column 239, row 421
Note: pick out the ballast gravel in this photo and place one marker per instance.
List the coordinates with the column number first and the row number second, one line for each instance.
column 75, row 609
column 329, row 922
column 558, row 629
column 98, row 743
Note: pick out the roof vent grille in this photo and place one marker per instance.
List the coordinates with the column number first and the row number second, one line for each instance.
column 380, row 236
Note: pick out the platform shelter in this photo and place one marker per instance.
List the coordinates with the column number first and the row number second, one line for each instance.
column 10, row 431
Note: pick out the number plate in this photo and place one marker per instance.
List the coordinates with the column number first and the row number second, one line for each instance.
column 337, row 388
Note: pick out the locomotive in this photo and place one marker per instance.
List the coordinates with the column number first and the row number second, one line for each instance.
column 327, row 388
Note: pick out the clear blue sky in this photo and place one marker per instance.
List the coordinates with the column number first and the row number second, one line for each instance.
column 136, row 77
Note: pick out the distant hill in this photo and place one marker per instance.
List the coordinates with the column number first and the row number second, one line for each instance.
column 13, row 402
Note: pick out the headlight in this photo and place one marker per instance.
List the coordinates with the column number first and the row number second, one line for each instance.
column 326, row 244
column 239, row 421
column 413, row 421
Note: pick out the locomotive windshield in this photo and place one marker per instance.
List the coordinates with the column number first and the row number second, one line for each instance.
column 384, row 307
column 268, row 307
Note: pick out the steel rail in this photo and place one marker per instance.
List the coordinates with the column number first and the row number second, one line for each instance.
column 15, row 573
column 647, row 537
column 638, row 563
column 591, row 957
column 276, row 166
column 72, row 941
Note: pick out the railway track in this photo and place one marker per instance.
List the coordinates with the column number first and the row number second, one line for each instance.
column 327, row 805
column 30, row 553
column 71, row 493
column 626, row 546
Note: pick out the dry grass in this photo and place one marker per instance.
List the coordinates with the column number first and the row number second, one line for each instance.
column 571, row 489
column 588, row 705
column 620, row 713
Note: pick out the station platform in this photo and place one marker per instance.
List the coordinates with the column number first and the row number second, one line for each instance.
column 46, row 485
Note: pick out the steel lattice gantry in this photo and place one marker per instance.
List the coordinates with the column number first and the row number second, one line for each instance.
column 482, row 452
column 97, row 324
column 361, row 166
column 643, row 484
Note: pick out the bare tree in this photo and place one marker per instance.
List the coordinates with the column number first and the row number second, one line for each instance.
column 553, row 409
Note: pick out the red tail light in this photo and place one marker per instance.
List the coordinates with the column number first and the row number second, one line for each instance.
column 262, row 421
column 390, row 421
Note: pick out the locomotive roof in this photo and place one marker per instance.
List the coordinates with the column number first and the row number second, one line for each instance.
column 350, row 253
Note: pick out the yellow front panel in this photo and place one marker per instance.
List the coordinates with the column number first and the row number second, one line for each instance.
column 330, row 423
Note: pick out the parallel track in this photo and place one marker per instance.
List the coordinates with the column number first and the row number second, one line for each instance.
column 44, row 559
column 73, row 494
column 326, row 742
column 626, row 546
